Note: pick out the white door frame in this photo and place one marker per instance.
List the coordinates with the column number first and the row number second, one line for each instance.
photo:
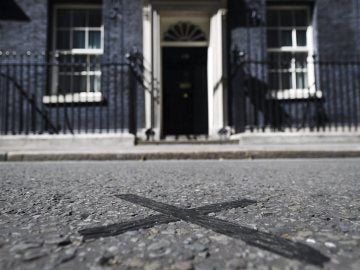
column 152, row 45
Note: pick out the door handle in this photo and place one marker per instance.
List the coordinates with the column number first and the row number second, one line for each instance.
column 185, row 95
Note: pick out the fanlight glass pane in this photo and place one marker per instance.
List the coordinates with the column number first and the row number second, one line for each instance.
column 184, row 31
column 79, row 39
column 94, row 39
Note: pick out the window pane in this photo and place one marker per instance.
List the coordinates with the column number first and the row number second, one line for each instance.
column 79, row 83
column 272, row 18
column 95, row 83
column 274, row 81
column 301, row 80
column 95, row 18
column 63, row 18
column 301, row 18
column 301, row 60
column 79, row 17
column 64, row 86
column 286, row 18
column 286, row 38
column 95, row 62
column 79, row 40
column 286, row 82
column 280, row 60
column 79, row 63
column 64, row 62
column 274, row 60
column 301, row 37
column 273, row 38
column 94, row 39
column 62, row 40
column 64, row 58
column 285, row 60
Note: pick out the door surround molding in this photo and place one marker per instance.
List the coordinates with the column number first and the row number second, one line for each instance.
column 155, row 12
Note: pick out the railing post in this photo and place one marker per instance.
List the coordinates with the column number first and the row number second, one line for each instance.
column 238, row 91
column 132, row 101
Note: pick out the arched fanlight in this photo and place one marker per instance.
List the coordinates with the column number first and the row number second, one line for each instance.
column 184, row 31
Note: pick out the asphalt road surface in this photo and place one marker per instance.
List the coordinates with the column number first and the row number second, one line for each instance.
column 271, row 214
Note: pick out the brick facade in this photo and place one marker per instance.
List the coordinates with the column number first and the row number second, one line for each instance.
column 336, row 27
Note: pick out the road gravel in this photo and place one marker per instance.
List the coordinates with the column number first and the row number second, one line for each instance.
column 43, row 206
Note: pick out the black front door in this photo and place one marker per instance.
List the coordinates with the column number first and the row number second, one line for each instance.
column 185, row 110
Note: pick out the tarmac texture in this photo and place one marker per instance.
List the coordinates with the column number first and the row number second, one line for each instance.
column 255, row 214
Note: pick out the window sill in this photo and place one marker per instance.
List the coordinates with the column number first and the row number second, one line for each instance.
column 74, row 98
column 291, row 94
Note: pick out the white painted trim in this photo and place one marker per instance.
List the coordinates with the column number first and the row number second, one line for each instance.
column 84, row 97
column 82, row 51
column 152, row 50
column 147, row 52
column 72, row 7
column 309, row 49
column 290, row 94
column 157, row 68
column 184, row 44
column 87, row 52
column 215, row 74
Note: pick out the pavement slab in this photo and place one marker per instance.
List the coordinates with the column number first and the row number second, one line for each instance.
column 191, row 210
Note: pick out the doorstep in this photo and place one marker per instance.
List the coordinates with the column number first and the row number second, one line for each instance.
column 332, row 137
column 66, row 141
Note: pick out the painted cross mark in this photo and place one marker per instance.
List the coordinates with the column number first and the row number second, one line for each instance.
column 169, row 213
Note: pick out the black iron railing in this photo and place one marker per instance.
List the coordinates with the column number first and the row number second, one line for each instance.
column 293, row 93
column 58, row 95
column 47, row 94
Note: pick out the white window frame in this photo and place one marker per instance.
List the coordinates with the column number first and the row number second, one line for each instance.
column 75, row 96
column 294, row 92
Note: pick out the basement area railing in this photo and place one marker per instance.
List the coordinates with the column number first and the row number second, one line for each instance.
column 294, row 92
column 66, row 94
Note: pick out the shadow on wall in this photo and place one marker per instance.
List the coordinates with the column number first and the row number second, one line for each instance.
column 252, row 103
column 258, row 108
column 10, row 11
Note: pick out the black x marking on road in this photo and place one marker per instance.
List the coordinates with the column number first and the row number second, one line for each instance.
column 198, row 216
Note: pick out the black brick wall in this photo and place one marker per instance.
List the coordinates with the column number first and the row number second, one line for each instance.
column 123, row 32
column 336, row 28
column 336, row 25
column 26, row 36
